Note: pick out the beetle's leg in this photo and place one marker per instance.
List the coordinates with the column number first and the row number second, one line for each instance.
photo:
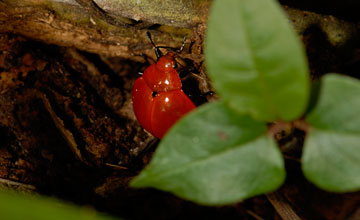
column 148, row 61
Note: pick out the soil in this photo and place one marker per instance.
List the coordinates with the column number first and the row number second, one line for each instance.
column 67, row 130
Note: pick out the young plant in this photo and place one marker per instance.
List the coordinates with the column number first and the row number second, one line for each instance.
column 222, row 153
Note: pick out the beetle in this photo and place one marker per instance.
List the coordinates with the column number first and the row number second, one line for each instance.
column 157, row 96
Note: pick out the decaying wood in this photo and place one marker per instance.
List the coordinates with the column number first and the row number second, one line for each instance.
column 118, row 28
column 186, row 13
column 67, row 24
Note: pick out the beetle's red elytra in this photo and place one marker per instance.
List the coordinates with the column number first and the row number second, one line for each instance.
column 158, row 98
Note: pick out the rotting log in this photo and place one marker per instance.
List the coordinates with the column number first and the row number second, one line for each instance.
column 118, row 27
column 66, row 23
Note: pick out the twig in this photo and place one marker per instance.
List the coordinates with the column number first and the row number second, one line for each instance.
column 282, row 206
column 116, row 167
column 254, row 215
column 14, row 183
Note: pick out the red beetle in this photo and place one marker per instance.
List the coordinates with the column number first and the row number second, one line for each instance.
column 157, row 97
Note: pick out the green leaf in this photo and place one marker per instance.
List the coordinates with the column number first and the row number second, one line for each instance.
column 331, row 157
column 14, row 206
column 331, row 160
column 256, row 60
column 215, row 156
column 338, row 107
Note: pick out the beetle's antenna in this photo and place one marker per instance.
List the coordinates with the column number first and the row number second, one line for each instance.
column 175, row 49
column 182, row 45
column 157, row 50
column 150, row 38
